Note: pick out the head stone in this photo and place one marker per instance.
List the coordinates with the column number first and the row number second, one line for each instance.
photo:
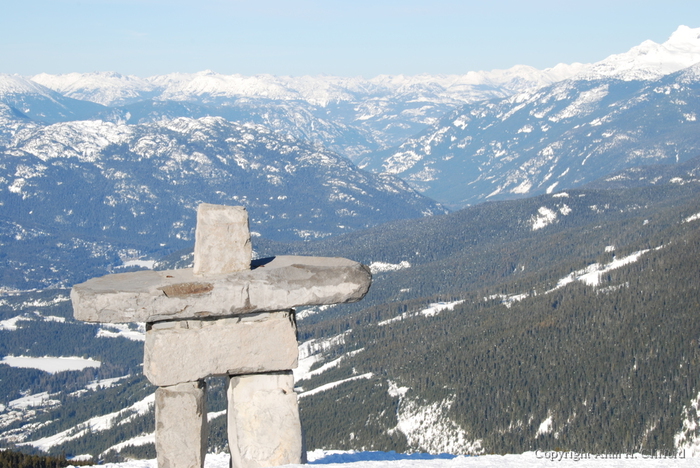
column 222, row 240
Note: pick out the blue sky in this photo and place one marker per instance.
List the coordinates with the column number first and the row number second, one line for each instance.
column 311, row 37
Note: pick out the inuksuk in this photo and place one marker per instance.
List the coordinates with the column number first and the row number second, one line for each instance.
column 226, row 316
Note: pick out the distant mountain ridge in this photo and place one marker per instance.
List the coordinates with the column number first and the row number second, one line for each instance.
column 353, row 116
column 552, row 138
column 649, row 60
column 113, row 89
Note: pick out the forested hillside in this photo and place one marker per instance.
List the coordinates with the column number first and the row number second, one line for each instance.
column 562, row 321
column 582, row 335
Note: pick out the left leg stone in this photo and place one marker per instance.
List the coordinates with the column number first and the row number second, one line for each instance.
column 181, row 425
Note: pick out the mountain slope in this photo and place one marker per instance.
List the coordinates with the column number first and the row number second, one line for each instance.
column 584, row 341
column 353, row 116
column 558, row 137
column 649, row 60
column 103, row 192
column 561, row 321
column 41, row 104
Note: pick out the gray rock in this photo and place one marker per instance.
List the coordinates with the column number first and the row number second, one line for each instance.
column 181, row 425
column 185, row 351
column 263, row 421
column 222, row 240
column 283, row 283
column 221, row 317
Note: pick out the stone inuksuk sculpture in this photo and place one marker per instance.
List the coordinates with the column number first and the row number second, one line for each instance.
column 223, row 317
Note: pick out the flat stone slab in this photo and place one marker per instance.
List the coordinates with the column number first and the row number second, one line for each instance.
column 283, row 283
column 181, row 425
column 264, row 428
column 189, row 350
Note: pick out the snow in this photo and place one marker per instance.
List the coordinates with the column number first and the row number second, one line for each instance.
column 331, row 385
column 105, row 383
column 327, row 366
column 432, row 310
column 122, row 330
column 544, row 218
column 382, row 267
column 215, row 414
column 352, row 459
column 113, row 89
column 137, row 441
column 686, row 438
column 689, row 219
column 508, row 300
column 11, row 323
column 545, row 427
column 50, row 364
column 148, row 264
column 592, row 273
column 106, row 88
column 39, row 399
column 15, row 84
column 96, row 424
column 650, row 60
column 80, row 139
column 427, row 426
column 591, row 276
column 437, row 307
column 311, row 352
column 583, row 105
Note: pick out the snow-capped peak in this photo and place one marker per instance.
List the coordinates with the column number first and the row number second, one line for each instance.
column 106, row 88
column 113, row 89
column 649, row 60
column 16, row 84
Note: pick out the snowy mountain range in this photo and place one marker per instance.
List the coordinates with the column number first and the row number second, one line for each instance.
column 557, row 137
column 629, row 110
column 364, row 118
column 119, row 192
column 649, row 60
column 113, row 89
column 353, row 116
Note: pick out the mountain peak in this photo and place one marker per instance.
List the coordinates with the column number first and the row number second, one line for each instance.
column 649, row 60
column 684, row 38
column 16, row 84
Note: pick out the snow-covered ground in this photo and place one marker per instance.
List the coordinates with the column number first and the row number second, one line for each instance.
column 50, row 364
column 397, row 460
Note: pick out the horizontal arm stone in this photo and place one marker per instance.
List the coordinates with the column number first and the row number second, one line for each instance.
column 283, row 283
column 190, row 350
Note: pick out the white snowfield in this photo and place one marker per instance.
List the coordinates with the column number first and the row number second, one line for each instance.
column 650, row 60
column 50, row 364
column 432, row 310
column 96, row 424
column 331, row 458
column 382, row 267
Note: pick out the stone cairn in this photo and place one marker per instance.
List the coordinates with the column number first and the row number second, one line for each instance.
column 224, row 317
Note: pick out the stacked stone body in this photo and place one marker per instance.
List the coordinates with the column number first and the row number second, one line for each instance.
column 223, row 317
